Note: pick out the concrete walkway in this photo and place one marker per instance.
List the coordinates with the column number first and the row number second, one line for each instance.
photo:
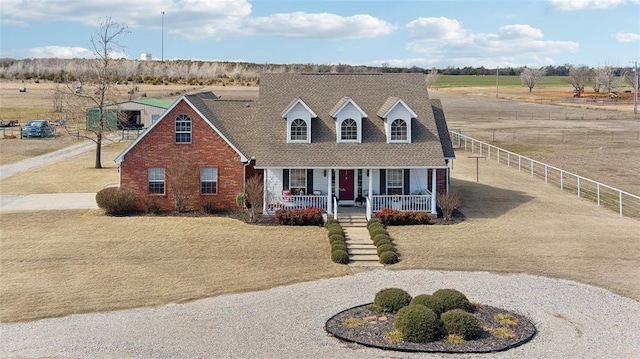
column 362, row 251
column 47, row 201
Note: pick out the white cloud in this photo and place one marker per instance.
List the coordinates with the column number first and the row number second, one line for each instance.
column 572, row 5
column 445, row 40
column 66, row 52
column 627, row 36
column 319, row 25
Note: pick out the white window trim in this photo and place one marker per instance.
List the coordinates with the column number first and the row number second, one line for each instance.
column 215, row 180
column 190, row 132
column 406, row 140
column 358, row 123
column 289, row 133
column 401, row 179
column 163, row 181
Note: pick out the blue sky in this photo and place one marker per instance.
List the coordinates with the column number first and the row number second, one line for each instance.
column 394, row 33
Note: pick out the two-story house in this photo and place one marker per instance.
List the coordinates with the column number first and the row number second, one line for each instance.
column 322, row 140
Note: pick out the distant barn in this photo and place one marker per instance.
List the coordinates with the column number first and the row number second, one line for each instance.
column 134, row 114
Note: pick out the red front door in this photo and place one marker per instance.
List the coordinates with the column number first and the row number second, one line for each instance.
column 346, row 185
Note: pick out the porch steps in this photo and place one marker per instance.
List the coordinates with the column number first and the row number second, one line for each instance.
column 362, row 251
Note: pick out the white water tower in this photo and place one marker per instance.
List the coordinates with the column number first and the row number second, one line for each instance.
column 145, row 57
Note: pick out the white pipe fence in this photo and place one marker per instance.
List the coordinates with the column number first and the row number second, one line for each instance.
column 625, row 203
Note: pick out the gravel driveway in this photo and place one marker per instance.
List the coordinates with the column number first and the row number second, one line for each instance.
column 573, row 321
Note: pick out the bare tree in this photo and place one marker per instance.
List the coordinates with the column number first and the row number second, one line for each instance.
column 182, row 177
column 253, row 196
column 95, row 88
column 579, row 76
column 605, row 78
column 530, row 77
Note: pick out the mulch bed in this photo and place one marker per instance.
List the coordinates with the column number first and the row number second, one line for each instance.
column 376, row 325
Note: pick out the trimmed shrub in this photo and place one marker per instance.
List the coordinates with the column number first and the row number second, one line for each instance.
column 336, row 238
column 434, row 303
column 459, row 322
column 385, row 248
column 338, row 245
column 340, row 256
column 380, row 237
column 374, row 231
column 335, row 230
column 388, row 257
column 392, row 217
column 382, row 242
column 309, row 216
column 417, row 324
column 373, row 221
column 391, row 299
column 453, row 299
column 331, row 221
column 116, row 200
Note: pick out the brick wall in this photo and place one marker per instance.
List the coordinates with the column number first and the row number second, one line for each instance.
column 441, row 180
column 182, row 163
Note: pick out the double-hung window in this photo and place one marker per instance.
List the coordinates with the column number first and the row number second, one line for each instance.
column 349, row 130
column 395, row 181
column 209, row 180
column 297, row 179
column 299, row 130
column 183, row 129
column 156, row 180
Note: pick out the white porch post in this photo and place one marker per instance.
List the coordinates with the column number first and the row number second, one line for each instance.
column 448, row 178
column 264, row 191
column 329, row 190
column 433, row 191
column 370, row 194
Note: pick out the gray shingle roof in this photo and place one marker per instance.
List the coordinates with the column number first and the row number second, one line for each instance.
column 321, row 92
column 443, row 129
column 233, row 118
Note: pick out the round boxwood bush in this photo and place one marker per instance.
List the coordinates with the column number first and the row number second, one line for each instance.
column 453, row 299
column 116, row 200
column 459, row 322
column 387, row 247
column 337, row 245
column 391, row 299
column 380, row 237
column 373, row 221
column 417, row 324
column 331, row 221
column 382, row 242
column 388, row 257
column 336, row 238
column 374, row 231
column 340, row 256
column 335, row 230
column 434, row 303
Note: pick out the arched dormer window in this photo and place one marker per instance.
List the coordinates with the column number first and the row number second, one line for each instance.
column 398, row 130
column 183, row 129
column 299, row 130
column 349, row 130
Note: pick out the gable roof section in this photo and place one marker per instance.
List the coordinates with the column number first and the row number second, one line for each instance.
column 342, row 104
column 197, row 102
column 153, row 102
column 443, row 129
column 390, row 104
column 293, row 104
column 322, row 92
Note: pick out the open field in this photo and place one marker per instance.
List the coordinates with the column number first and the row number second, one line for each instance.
column 491, row 81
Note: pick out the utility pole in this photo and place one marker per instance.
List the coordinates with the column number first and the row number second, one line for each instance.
column 635, row 87
column 162, row 56
column 497, row 73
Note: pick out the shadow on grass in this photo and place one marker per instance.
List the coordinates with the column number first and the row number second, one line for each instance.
column 479, row 200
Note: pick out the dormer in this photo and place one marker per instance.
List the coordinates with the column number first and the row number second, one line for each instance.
column 397, row 120
column 298, row 116
column 348, row 116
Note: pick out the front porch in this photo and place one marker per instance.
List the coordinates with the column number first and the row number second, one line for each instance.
column 405, row 190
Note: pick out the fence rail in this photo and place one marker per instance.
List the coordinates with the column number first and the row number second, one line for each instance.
column 625, row 203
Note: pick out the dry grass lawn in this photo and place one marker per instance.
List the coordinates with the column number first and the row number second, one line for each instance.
column 14, row 150
column 62, row 262
column 520, row 225
column 70, row 175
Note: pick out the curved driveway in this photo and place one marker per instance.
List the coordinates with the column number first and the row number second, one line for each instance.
column 573, row 321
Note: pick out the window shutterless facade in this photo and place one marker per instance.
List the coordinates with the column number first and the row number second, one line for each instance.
column 209, row 180
column 398, row 130
column 299, row 130
column 183, row 129
column 349, row 130
column 156, row 180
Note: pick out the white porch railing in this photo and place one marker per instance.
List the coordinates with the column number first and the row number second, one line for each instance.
column 403, row 203
column 369, row 212
column 297, row 202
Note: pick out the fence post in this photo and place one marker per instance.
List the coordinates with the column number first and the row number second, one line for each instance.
column 545, row 173
column 561, row 180
column 531, row 168
column 578, row 187
column 598, row 190
column 508, row 159
column 620, row 199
